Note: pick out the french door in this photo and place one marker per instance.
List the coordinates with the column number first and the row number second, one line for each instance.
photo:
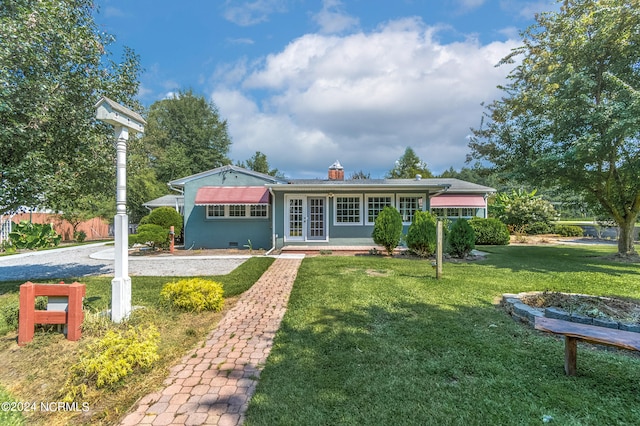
column 305, row 218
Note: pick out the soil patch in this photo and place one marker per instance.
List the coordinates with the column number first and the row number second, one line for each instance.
column 612, row 308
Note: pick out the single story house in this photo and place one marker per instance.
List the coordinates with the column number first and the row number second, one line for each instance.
column 234, row 207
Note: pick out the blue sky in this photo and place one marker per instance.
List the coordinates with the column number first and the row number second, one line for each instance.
column 308, row 82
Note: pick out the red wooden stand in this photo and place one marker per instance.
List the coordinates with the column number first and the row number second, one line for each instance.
column 29, row 316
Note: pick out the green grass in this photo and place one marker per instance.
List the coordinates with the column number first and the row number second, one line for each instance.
column 9, row 415
column 370, row 340
column 38, row 371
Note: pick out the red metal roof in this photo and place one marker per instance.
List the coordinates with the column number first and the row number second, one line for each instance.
column 232, row 195
column 451, row 200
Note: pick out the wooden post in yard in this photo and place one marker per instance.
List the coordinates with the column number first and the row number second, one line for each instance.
column 439, row 238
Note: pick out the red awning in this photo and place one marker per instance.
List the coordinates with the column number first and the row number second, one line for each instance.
column 232, row 195
column 451, row 200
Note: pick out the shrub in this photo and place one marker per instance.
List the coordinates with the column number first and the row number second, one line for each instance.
column 537, row 228
column 569, row 230
column 461, row 238
column 524, row 209
column 421, row 236
column 113, row 357
column 489, row 231
column 80, row 236
column 27, row 235
column 194, row 295
column 151, row 235
column 387, row 230
column 9, row 313
column 165, row 217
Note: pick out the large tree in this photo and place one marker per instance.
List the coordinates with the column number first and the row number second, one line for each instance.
column 259, row 163
column 408, row 166
column 570, row 116
column 54, row 66
column 185, row 135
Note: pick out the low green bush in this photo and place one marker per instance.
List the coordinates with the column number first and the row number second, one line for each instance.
column 489, row 231
column 80, row 236
column 537, row 228
column 32, row 236
column 194, row 295
column 111, row 358
column 165, row 217
column 569, row 230
column 10, row 312
column 151, row 235
column 461, row 238
column 421, row 236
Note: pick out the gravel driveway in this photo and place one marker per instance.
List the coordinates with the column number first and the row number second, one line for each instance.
column 97, row 259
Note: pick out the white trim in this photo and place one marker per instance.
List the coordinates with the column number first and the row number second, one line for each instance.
column 360, row 198
column 247, row 211
column 421, row 204
column 304, row 198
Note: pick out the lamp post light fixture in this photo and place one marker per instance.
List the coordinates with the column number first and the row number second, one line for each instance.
column 123, row 120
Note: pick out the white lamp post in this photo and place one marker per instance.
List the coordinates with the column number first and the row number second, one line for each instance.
column 123, row 120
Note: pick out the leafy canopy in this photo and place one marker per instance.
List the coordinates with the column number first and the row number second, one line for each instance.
column 259, row 163
column 570, row 117
column 185, row 135
column 54, row 66
column 408, row 166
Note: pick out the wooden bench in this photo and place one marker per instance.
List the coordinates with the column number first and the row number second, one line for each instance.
column 573, row 332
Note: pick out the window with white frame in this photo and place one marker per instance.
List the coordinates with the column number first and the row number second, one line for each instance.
column 259, row 210
column 375, row 204
column 452, row 212
column 407, row 206
column 215, row 211
column 348, row 210
column 237, row 210
column 467, row 212
column 221, row 211
column 438, row 212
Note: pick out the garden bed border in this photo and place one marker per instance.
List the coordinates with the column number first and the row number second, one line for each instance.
column 524, row 313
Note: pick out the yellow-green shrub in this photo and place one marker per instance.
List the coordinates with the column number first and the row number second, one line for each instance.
column 194, row 295
column 113, row 357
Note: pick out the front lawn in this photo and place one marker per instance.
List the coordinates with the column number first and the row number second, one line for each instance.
column 373, row 341
column 37, row 372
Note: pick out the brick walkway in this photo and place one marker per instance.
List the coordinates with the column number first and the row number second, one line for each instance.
column 212, row 385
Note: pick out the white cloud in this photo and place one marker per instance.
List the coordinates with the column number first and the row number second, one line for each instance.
column 362, row 99
column 464, row 6
column 332, row 19
column 246, row 13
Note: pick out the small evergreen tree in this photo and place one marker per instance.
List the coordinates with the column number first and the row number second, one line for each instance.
column 421, row 236
column 461, row 238
column 387, row 230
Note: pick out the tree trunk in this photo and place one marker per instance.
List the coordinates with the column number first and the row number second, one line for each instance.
column 625, row 239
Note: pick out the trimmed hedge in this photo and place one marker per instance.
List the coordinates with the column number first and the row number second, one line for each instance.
column 490, row 231
column 569, row 230
column 194, row 295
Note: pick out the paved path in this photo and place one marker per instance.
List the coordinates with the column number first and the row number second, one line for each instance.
column 212, row 385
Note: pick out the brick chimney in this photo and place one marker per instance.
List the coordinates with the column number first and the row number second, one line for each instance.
column 336, row 171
